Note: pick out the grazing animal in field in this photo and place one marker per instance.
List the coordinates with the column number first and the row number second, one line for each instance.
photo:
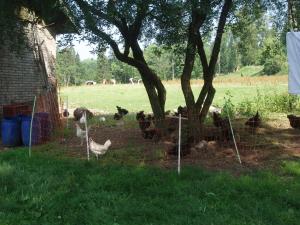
column 131, row 80
column 109, row 81
column 254, row 121
column 294, row 121
column 81, row 133
column 99, row 149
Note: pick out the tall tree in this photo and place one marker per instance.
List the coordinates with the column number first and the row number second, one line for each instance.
column 117, row 23
column 103, row 67
column 195, row 20
column 294, row 14
column 200, row 13
column 68, row 66
column 229, row 58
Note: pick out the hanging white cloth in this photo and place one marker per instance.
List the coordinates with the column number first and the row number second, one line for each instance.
column 293, row 53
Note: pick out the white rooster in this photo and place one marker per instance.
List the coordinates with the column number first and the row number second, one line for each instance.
column 81, row 133
column 99, row 149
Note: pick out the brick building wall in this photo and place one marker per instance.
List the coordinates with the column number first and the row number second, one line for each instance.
column 21, row 74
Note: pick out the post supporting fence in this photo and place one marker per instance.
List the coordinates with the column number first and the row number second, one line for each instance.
column 31, row 123
column 67, row 106
column 86, row 137
column 179, row 144
column 234, row 141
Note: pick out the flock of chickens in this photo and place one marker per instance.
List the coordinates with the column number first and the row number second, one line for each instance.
column 80, row 116
column 149, row 131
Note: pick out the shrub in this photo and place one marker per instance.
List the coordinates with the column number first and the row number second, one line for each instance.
column 228, row 107
column 273, row 65
column 265, row 104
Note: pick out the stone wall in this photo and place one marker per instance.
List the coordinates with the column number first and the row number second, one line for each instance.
column 22, row 76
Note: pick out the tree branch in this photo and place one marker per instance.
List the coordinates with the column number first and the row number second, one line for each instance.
column 216, row 49
column 135, row 28
column 201, row 53
column 91, row 24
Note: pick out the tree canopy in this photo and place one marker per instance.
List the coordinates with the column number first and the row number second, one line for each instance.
column 127, row 26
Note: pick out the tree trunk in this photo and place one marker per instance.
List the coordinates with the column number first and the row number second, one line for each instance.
column 156, row 93
column 154, row 87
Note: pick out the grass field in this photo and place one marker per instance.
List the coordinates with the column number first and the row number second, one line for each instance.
column 50, row 189
column 134, row 97
column 127, row 185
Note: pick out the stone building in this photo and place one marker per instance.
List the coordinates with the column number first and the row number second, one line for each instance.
column 30, row 70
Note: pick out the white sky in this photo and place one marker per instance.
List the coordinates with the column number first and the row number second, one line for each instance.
column 83, row 48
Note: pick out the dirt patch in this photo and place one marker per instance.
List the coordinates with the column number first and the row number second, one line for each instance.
column 260, row 148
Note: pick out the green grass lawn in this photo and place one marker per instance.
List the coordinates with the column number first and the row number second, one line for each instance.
column 50, row 189
column 134, row 97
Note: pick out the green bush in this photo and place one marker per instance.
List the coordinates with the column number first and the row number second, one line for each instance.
column 273, row 65
column 265, row 104
column 228, row 107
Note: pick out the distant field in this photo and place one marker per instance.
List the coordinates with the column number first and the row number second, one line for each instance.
column 134, row 97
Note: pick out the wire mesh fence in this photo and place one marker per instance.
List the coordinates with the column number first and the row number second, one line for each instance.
column 240, row 135
column 219, row 136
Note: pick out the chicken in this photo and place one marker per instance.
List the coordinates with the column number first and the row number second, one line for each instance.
column 143, row 122
column 117, row 116
column 217, row 119
column 150, row 117
column 182, row 110
column 122, row 111
column 99, row 149
column 254, row 121
column 294, row 121
column 80, row 111
column 167, row 113
column 151, row 133
column 140, row 115
column 66, row 113
column 81, row 133
column 172, row 147
column 224, row 125
column 83, row 118
column 102, row 119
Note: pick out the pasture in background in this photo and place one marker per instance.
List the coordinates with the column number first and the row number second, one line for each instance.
column 104, row 98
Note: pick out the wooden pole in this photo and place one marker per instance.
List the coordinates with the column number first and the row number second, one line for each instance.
column 86, row 137
column 31, row 123
column 234, row 141
column 179, row 145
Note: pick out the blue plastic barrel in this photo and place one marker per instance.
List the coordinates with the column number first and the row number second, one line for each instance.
column 36, row 130
column 11, row 132
column 46, row 128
